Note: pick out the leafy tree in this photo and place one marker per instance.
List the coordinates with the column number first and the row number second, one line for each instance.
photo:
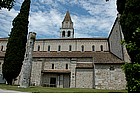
column 15, row 51
column 6, row 4
column 130, row 23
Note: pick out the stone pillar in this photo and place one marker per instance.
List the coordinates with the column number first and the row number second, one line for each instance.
column 73, row 73
column 27, row 63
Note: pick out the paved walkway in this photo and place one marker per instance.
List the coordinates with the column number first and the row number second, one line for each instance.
column 9, row 91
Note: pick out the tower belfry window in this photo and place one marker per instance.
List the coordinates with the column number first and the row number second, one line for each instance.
column 63, row 34
column 69, row 33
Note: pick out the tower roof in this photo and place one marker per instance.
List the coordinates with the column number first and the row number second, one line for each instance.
column 67, row 17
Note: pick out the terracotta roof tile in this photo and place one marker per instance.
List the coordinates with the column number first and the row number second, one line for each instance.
column 98, row 57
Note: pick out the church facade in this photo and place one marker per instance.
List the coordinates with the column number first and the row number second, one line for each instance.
column 70, row 62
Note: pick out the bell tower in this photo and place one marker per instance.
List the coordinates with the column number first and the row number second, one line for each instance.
column 67, row 30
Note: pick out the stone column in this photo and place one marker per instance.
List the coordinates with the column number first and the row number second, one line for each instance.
column 73, row 73
column 27, row 63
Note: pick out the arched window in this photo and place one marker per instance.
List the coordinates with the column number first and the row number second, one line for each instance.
column 69, row 33
column 59, row 48
column 49, row 48
column 101, row 47
column 38, row 49
column 63, row 33
column 82, row 48
column 2, row 48
column 70, row 48
column 93, row 48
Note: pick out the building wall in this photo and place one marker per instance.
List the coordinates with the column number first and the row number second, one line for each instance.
column 59, row 63
column 109, row 79
column 36, row 72
column 75, row 44
column 115, row 39
column 42, row 45
column 84, row 78
column 3, row 43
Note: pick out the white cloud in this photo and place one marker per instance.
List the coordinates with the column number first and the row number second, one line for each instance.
column 6, row 18
column 91, row 18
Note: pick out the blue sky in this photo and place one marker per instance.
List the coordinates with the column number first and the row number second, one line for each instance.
column 91, row 18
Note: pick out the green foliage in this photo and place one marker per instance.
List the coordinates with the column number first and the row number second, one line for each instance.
column 132, row 72
column 130, row 19
column 130, row 23
column 120, row 5
column 16, row 44
column 6, row 4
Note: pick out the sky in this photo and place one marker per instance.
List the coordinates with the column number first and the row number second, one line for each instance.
column 91, row 18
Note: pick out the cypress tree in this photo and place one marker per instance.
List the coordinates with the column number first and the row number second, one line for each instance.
column 16, row 45
column 6, row 4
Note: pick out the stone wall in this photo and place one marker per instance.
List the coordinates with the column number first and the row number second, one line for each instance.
column 109, row 77
column 36, row 72
column 84, row 78
column 59, row 63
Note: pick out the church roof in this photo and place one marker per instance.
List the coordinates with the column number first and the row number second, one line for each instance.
column 67, row 17
column 98, row 57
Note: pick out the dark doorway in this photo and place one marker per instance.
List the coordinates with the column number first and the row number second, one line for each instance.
column 52, row 82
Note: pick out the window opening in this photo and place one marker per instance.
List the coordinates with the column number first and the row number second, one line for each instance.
column 66, row 66
column 2, row 48
column 93, row 48
column 49, row 48
column 112, row 68
column 63, row 34
column 70, row 47
column 38, row 48
column 52, row 66
column 101, row 47
column 59, row 48
column 82, row 48
column 69, row 33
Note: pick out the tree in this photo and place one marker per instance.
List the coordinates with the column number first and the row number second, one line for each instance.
column 16, row 45
column 130, row 23
column 7, row 4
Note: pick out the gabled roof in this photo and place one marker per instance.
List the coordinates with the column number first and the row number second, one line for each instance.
column 67, row 17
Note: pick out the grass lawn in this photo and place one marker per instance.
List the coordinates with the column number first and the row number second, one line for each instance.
column 39, row 89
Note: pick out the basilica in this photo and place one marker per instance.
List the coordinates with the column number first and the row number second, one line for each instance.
column 69, row 62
